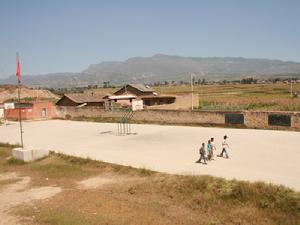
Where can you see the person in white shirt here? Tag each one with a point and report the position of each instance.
(213, 147)
(225, 148)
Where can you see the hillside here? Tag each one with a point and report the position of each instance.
(165, 68)
(9, 92)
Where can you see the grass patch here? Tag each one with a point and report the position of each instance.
(267, 199)
(8, 181)
(56, 167)
(16, 162)
(56, 216)
(96, 119)
(4, 152)
(170, 199)
(7, 145)
(104, 166)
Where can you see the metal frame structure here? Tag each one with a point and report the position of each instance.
(124, 125)
(124, 122)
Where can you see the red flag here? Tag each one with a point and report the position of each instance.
(18, 73)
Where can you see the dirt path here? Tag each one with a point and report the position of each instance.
(15, 190)
(16, 193)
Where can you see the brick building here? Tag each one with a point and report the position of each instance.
(31, 111)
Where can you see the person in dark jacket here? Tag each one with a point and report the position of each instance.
(202, 154)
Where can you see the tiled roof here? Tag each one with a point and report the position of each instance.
(141, 87)
(84, 98)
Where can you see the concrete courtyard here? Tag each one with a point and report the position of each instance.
(255, 155)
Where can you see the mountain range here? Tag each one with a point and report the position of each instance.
(161, 68)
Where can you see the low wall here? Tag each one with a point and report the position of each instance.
(246, 119)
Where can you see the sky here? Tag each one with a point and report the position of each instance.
(69, 35)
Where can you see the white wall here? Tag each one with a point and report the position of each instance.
(1, 113)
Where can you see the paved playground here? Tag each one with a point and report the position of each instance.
(255, 155)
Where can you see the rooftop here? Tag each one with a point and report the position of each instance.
(141, 87)
(84, 98)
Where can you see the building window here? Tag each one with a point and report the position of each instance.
(44, 113)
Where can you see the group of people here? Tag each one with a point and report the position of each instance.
(208, 152)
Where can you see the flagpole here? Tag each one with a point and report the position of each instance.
(192, 90)
(19, 99)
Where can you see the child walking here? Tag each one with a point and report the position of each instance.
(202, 154)
(225, 147)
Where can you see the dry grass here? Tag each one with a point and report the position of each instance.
(9, 181)
(155, 199)
(240, 96)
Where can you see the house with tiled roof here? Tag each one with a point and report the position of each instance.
(78, 99)
(145, 93)
(136, 89)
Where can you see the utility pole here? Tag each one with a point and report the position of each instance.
(192, 89)
(291, 88)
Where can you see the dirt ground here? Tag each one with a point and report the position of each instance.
(63, 190)
(18, 192)
(255, 155)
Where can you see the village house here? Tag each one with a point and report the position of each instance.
(121, 98)
(31, 110)
(136, 89)
(145, 93)
(158, 100)
(81, 99)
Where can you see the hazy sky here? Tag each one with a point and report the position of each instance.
(68, 35)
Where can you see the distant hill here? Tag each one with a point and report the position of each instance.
(165, 68)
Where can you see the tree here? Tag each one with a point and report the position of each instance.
(248, 81)
(106, 84)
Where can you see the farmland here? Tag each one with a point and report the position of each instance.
(231, 97)
(240, 96)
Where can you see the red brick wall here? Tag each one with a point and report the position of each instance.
(34, 113)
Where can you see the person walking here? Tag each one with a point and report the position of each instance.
(213, 147)
(202, 154)
(209, 150)
(225, 148)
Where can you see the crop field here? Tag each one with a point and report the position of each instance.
(240, 96)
